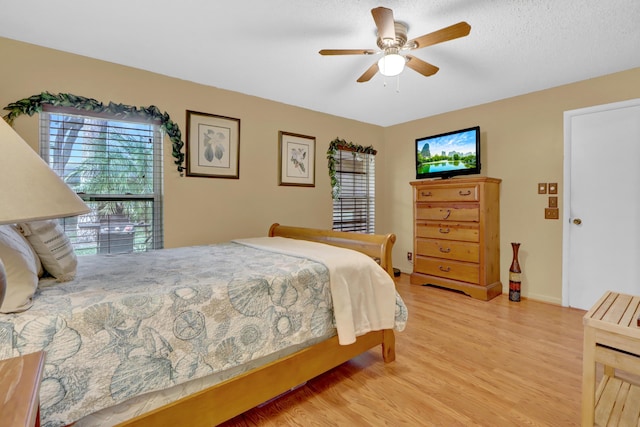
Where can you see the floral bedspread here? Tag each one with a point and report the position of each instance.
(134, 323)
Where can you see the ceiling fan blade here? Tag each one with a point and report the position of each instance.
(383, 18)
(371, 71)
(348, 52)
(454, 31)
(421, 66)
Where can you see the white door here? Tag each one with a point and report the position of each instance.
(601, 232)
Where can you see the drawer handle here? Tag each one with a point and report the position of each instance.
(444, 230)
(427, 194)
(447, 214)
(445, 250)
(445, 269)
(466, 193)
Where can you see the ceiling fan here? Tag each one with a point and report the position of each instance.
(392, 40)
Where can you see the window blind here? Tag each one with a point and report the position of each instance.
(354, 209)
(115, 166)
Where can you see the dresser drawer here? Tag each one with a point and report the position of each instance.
(456, 270)
(448, 249)
(450, 212)
(466, 193)
(448, 231)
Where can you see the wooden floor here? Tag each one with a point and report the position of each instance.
(460, 362)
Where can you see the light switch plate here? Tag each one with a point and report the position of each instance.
(551, 213)
(553, 201)
(542, 188)
(553, 188)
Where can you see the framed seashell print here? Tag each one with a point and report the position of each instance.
(297, 159)
(213, 146)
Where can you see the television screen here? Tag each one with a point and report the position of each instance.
(448, 154)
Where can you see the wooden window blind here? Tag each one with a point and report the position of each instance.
(354, 208)
(115, 166)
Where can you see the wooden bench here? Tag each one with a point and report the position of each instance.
(611, 338)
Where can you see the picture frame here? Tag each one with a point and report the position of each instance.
(297, 159)
(212, 146)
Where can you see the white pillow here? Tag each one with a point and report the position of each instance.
(21, 270)
(53, 248)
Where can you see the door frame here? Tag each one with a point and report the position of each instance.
(566, 199)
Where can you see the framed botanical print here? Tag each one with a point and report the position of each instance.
(213, 146)
(297, 158)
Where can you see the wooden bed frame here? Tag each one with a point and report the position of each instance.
(230, 398)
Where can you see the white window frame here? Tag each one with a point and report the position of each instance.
(152, 230)
(354, 206)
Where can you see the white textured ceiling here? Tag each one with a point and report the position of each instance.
(269, 48)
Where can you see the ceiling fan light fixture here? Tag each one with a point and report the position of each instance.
(391, 38)
(391, 64)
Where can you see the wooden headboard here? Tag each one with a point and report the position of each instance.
(377, 246)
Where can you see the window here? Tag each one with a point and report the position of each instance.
(354, 207)
(115, 166)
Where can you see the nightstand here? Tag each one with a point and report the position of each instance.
(19, 390)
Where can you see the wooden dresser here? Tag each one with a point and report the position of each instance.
(456, 236)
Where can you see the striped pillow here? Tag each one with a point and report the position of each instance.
(53, 247)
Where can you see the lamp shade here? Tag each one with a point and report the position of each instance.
(29, 189)
(391, 64)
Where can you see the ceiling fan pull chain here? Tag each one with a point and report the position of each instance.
(398, 84)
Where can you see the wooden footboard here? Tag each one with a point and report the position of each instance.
(239, 394)
(377, 246)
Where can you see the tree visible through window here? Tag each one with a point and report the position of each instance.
(115, 166)
(354, 207)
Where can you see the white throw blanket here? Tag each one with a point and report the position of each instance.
(363, 294)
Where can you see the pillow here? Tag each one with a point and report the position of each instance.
(21, 270)
(53, 248)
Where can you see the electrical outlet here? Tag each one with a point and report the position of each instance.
(409, 256)
(551, 213)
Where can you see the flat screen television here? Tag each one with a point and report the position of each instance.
(448, 154)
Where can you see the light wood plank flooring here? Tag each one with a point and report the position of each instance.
(460, 362)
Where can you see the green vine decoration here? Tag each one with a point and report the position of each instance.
(34, 104)
(341, 144)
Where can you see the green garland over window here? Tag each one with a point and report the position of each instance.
(341, 144)
(34, 104)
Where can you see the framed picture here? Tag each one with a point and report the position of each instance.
(213, 146)
(297, 158)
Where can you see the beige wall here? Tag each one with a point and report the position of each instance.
(198, 210)
(522, 143)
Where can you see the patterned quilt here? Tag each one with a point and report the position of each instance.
(135, 323)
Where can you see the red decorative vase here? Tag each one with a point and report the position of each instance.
(514, 275)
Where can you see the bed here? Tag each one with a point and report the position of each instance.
(207, 368)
